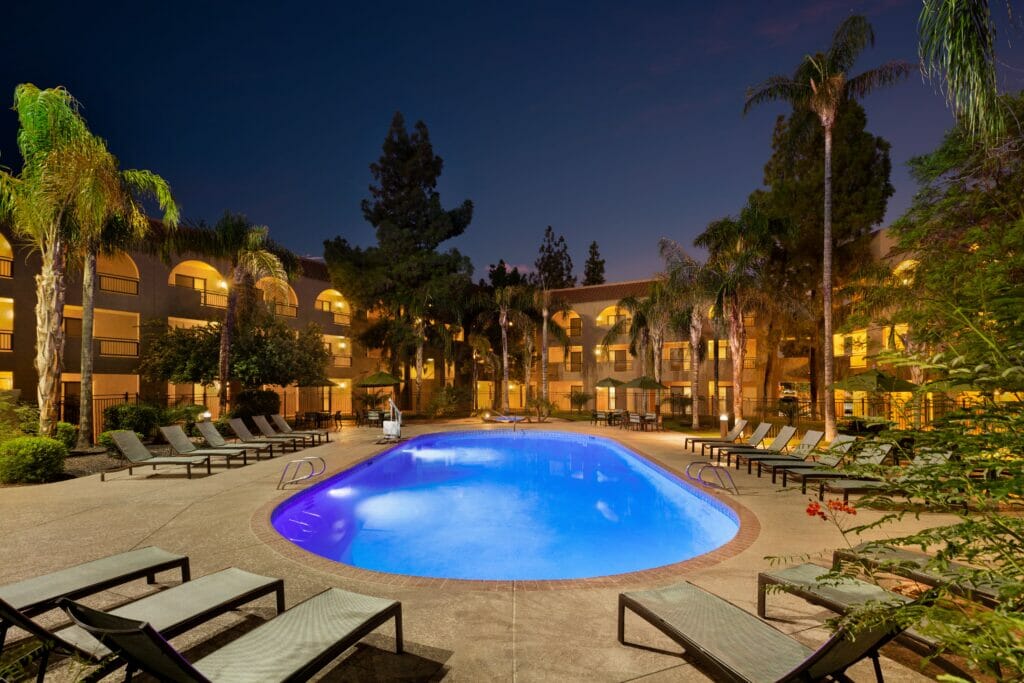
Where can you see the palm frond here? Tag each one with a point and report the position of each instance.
(149, 184)
(850, 39)
(957, 49)
(775, 89)
(879, 77)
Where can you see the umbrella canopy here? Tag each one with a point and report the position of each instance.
(609, 383)
(379, 379)
(874, 381)
(645, 382)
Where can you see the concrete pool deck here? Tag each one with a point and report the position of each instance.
(454, 630)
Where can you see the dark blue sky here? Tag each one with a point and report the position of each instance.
(620, 122)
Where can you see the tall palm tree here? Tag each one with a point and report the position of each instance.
(686, 280)
(508, 301)
(822, 84)
(108, 218)
(958, 47)
(251, 256)
(38, 201)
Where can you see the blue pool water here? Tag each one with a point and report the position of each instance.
(490, 505)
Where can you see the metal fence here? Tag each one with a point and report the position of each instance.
(900, 413)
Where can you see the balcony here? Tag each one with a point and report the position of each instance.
(116, 348)
(117, 284)
(5, 266)
(284, 310)
(341, 361)
(6, 339)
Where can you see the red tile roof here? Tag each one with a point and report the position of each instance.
(611, 291)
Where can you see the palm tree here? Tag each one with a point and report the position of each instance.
(252, 256)
(108, 218)
(38, 201)
(508, 301)
(821, 84)
(957, 47)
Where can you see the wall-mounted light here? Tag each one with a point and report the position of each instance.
(222, 284)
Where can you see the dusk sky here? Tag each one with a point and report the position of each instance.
(618, 122)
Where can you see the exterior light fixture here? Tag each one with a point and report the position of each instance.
(222, 284)
(206, 415)
(723, 424)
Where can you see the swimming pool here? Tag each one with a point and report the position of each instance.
(500, 505)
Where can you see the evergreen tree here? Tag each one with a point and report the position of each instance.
(500, 276)
(593, 269)
(553, 264)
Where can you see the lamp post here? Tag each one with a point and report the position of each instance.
(723, 424)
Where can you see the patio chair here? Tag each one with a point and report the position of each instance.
(731, 644)
(286, 429)
(799, 453)
(847, 486)
(374, 418)
(841, 596)
(811, 457)
(653, 420)
(777, 447)
(292, 646)
(873, 453)
(733, 434)
(39, 594)
(636, 421)
(138, 455)
(756, 437)
(182, 445)
(268, 433)
(172, 611)
(598, 416)
(246, 437)
(215, 439)
(916, 566)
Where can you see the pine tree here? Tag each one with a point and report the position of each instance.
(593, 269)
(553, 264)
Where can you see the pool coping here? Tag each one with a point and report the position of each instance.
(749, 529)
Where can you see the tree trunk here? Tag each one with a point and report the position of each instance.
(88, 317)
(419, 371)
(503, 322)
(812, 377)
(657, 344)
(227, 332)
(826, 271)
(544, 347)
(696, 327)
(738, 345)
(717, 378)
(769, 361)
(49, 361)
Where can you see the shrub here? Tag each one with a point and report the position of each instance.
(255, 402)
(67, 434)
(579, 399)
(31, 460)
(449, 402)
(542, 407)
(106, 440)
(141, 418)
(28, 418)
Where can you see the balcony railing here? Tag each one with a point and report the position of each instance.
(5, 266)
(342, 319)
(117, 348)
(621, 365)
(284, 310)
(208, 297)
(118, 284)
(341, 361)
(574, 367)
(6, 339)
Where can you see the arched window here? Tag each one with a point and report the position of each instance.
(117, 273)
(203, 277)
(280, 296)
(333, 302)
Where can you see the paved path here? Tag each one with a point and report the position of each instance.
(453, 632)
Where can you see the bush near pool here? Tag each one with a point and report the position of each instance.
(31, 460)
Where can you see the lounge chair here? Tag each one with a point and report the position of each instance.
(915, 565)
(848, 486)
(268, 433)
(138, 455)
(246, 437)
(733, 434)
(322, 434)
(40, 593)
(292, 646)
(731, 644)
(777, 447)
(842, 596)
(873, 453)
(182, 445)
(755, 439)
(214, 439)
(172, 611)
(805, 452)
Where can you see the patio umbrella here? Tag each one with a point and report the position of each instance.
(874, 382)
(609, 383)
(645, 383)
(379, 379)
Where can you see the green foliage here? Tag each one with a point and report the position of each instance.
(593, 269)
(553, 264)
(142, 418)
(66, 434)
(372, 400)
(27, 415)
(579, 399)
(31, 460)
(255, 402)
(449, 402)
(180, 355)
(542, 408)
(500, 276)
(267, 351)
